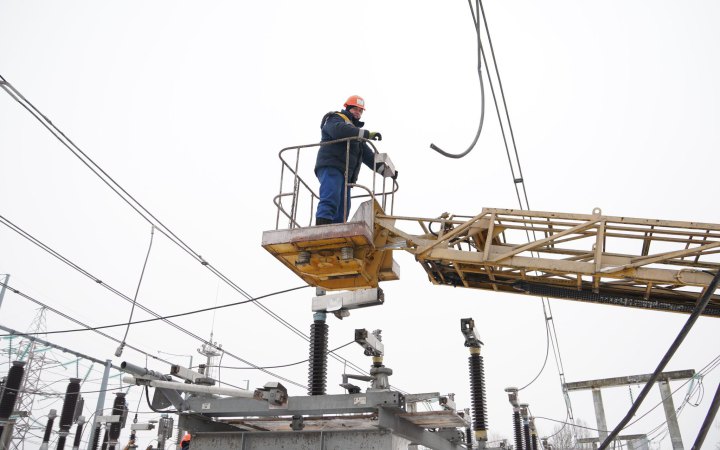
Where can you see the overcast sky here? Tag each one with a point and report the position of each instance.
(614, 105)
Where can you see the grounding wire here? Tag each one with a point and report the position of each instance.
(137, 206)
(476, 22)
(137, 291)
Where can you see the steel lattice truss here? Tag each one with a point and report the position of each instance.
(644, 263)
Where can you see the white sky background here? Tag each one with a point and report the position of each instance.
(614, 104)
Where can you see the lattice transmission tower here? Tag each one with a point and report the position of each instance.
(35, 357)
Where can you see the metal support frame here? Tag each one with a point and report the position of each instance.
(390, 421)
(298, 405)
(663, 382)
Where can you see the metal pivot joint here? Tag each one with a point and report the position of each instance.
(477, 379)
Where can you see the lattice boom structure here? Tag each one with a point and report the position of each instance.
(644, 263)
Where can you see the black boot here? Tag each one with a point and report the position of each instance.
(323, 221)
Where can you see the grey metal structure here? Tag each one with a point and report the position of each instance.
(663, 382)
(379, 418)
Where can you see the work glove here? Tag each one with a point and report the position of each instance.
(375, 136)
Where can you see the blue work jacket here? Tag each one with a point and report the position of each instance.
(334, 126)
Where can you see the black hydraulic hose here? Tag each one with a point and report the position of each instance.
(482, 91)
(702, 303)
(708, 421)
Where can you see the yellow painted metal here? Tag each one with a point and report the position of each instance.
(330, 265)
(646, 263)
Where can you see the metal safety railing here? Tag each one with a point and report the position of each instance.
(296, 200)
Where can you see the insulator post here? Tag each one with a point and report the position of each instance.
(525, 426)
(477, 387)
(68, 410)
(96, 437)
(115, 427)
(78, 433)
(10, 392)
(517, 428)
(317, 371)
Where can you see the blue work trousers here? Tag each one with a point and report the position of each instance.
(332, 183)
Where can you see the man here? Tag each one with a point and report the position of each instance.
(332, 159)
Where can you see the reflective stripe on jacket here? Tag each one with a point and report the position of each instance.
(338, 125)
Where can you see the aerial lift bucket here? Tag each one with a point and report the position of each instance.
(343, 256)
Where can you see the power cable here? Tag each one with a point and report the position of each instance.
(155, 357)
(131, 201)
(122, 324)
(476, 20)
(282, 365)
(72, 319)
(97, 280)
(521, 182)
(702, 303)
(119, 350)
(547, 352)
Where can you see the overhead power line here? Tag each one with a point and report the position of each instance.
(156, 357)
(144, 212)
(122, 324)
(519, 185)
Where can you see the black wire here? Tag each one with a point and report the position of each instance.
(282, 365)
(476, 22)
(171, 316)
(134, 204)
(547, 352)
(137, 206)
(155, 357)
(72, 319)
(147, 397)
(702, 303)
(142, 274)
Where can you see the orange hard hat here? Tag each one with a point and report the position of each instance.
(186, 438)
(355, 100)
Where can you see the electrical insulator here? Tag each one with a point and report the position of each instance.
(118, 409)
(68, 410)
(477, 379)
(10, 392)
(78, 432)
(48, 429)
(317, 372)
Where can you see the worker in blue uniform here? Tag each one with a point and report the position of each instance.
(331, 159)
